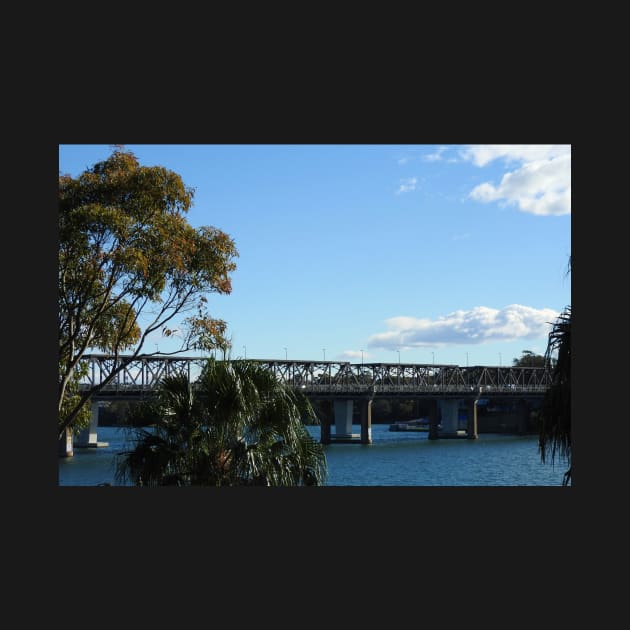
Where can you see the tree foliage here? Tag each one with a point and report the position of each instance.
(554, 440)
(236, 425)
(529, 359)
(72, 399)
(127, 254)
(555, 413)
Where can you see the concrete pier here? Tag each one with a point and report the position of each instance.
(325, 431)
(523, 411)
(473, 431)
(66, 444)
(88, 437)
(343, 418)
(341, 412)
(449, 412)
(366, 421)
(445, 412)
(434, 420)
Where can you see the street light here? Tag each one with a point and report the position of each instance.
(361, 357)
(499, 370)
(286, 356)
(398, 356)
(467, 359)
(433, 357)
(324, 349)
(245, 349)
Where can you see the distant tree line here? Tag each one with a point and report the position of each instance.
(529, 359)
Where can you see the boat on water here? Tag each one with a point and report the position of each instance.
(418, 424)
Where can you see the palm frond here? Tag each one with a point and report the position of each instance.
(555, 415)
(236, 425)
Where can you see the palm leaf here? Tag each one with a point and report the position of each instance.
(555, 415)
(236, 425)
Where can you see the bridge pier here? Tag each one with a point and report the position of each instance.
(88, 438)
(325, 431)
(447, 410)
(342, 413)
(66, 444)
(324, 414)
(523, 416)
(472, 430)
(433, 420)
(343, 418)
(366, 421)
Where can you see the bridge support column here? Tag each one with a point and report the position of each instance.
(433, 420)
(88, 436)
(473, 431)
(325, 431)
(522, 409)
(343, 418)
(65, 444)
(449, 411)
(324, 422)
(366, 421)
(471, 409)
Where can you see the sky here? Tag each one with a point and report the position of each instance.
(425, 254)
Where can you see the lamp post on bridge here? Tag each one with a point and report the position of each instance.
(245, 350)
(324, 350)
(499, 372)
(286, 356)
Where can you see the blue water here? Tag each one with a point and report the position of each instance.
(393, 459)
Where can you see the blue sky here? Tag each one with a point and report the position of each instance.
(420, 253)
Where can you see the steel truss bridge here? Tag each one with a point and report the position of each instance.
(140, 377)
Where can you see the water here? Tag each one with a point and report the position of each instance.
(393, 459)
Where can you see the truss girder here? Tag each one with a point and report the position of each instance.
(139, 374)
(330, 377)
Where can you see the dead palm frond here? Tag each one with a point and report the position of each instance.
(555, 415)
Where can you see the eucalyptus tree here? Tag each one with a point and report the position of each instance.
(236, 425)
(130, 264)
(529, 359)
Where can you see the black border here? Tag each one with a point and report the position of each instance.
(467, 524)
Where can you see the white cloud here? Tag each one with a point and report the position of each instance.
(404, 160)
(353, 354)
(541, 185)
(478, 325)
(407, 185)
(482, 154)
(434, 157)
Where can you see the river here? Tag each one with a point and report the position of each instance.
(393, 459)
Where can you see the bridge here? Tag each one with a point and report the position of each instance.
(140, 377)
(341, 382)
